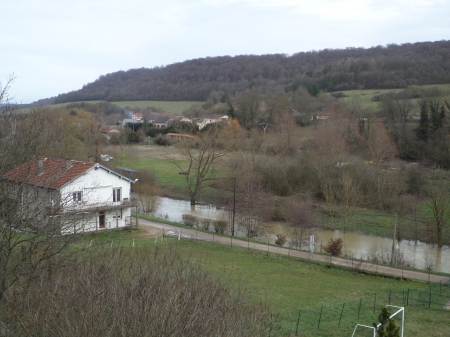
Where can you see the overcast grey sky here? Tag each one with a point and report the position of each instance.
(56, 46)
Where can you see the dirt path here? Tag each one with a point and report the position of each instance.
(153, 229)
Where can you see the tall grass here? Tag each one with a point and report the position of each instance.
(137, 291)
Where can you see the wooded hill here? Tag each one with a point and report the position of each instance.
(392, 66)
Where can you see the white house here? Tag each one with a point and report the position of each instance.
(71, 196)
(211, 120)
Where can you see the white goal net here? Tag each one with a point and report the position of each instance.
(362, 330)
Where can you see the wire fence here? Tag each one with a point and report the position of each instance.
(367, 307)
(332, 316)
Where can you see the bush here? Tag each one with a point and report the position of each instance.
(189, 220)
(205, 224)
(220, 226)
(139, 290)
(334, 246)
(162, 140)
(281, 240)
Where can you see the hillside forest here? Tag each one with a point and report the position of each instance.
(328, 70)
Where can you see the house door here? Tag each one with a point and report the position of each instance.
(101, 219)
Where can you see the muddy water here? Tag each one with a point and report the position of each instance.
(361, 246)
(173, 210)
(355, 244)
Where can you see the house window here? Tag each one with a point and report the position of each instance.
(117, 194)
(118, 214)
(77, 196)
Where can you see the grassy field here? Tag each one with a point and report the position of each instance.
(366, 96)
(160, 160)
(382, 223)
(289, 285)
(175, 108)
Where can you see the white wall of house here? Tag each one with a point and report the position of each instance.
(116, 218)
(96, 187)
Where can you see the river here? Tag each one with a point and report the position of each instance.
(358, 245)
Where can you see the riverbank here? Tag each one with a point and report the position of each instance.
(296, 287)
(357, 245)
(401, 273)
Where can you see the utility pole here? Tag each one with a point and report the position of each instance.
(234, 204)
(393, 242)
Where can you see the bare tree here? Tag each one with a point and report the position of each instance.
(250, 204)
(300, 221)
(147, 196)
(248, 109)
(348, 194)
(428, 262)
(438, 201)
(381, 148)
(30, 234)
(200, 154)
(329, 192)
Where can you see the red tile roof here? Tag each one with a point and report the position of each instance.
(54, 174)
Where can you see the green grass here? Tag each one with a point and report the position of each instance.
(289, 285)
(166, 171)
(382, 223)
(175, 108)
(366, 96)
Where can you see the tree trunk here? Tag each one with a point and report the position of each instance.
(439, 237)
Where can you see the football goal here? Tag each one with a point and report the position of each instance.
(366, 330)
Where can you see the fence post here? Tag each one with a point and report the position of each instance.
(429, 301)
(320, 317)
(440, 287)
(359, 309)
(407, 297)
(298, 322)
(342, 311)
(390, 292)
(374, 303)
(270, 327)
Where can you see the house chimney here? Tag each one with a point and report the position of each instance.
(68, 163)
(90, 159)
(40, 165)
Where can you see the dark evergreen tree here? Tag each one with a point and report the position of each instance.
(435, 112)
(422, 130)
(388, 328)
(314, 90)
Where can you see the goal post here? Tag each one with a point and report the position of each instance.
(364, 326)
(399, 310)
